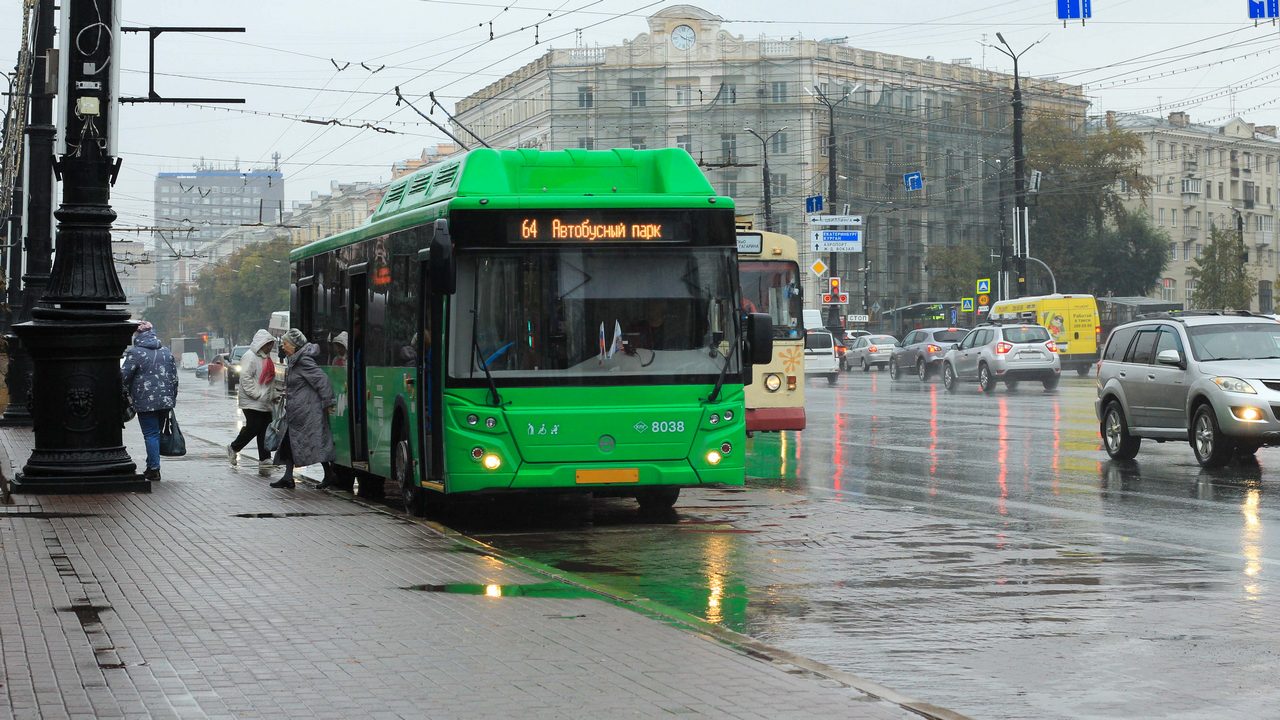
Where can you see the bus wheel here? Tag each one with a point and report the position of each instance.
(657, 499)
(414, 497)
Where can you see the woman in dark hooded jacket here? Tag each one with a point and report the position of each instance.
(308, 400)
(150, 375)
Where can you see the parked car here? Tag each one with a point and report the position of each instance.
(1206, 378)
(232, 372)
(820, 356)
(921, 351)
(1011, 353)
(870, 350)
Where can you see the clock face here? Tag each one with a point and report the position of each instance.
(683, 37)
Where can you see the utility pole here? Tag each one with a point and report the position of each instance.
(1021, 242)
(833, 315)
(75, 338)
(39, 240)
(768, 180)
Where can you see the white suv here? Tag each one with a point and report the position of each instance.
(1211, 379)
(1012, 353)
(820, 356)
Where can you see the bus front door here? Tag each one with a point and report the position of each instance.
(358, 322)
(427, 400)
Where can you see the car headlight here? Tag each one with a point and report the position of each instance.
(773, 382)
(237, 368)
(1235, 385)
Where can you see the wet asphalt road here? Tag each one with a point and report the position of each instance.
(977, 552)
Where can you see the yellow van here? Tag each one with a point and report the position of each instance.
(1072, 320)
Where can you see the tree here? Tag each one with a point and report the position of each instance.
(1222, 280)
(1079, 224)
(954, 269)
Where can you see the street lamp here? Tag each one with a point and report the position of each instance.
(768, 180)
(1021, 237)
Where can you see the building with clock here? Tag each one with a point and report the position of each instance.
(689, 82)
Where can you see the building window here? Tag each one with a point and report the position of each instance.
(1186, 252)
(1159, 151)
(728, 147)
(782, 224)
(1264, 296)
(780, 142)
(1160, 216)
(586, 96)
(730, 188)
(778, 184)
(1173, 251)
(637, 96)
(1199, 250)
(730, 94)
(1220, 192)
(587, 143)
(1173, 218)
(780, 92)
(685, 143)
(1169, 289)
(824, 146)
(684, 95)
(637, 143)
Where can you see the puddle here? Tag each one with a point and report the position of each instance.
(86, 614)
(578, 566)
(535, 590)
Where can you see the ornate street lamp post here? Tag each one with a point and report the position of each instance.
(75, 338)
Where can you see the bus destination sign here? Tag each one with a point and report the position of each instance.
(596, 228)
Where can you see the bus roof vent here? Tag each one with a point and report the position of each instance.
(446, 176)
(393, 195)
(419, 184)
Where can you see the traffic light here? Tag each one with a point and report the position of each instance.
(833, 285)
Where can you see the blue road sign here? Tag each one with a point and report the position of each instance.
(813, 204)
(984, 286)
(1078, 9)
(953, 315)
(1263, 9)
(966, 305)
(837, 240)
(913, 181)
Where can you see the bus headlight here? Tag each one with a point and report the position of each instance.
(773, 382)
(491, 462)
(713, 458)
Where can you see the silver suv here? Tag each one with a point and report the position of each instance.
(1011, 353)
(1207, 378)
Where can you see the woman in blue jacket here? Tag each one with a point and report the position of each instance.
(150, 375)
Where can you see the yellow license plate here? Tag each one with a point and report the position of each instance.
(612, 475)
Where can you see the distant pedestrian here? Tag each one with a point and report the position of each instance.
(308, 402)
(150, 375)
(256, 396)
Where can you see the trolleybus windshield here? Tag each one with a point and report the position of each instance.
(614, 311)
(772, 287)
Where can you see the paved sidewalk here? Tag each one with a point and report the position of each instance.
(216, 596)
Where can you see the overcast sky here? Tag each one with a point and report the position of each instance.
(1135, 55)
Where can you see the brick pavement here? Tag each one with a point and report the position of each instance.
(216, 596)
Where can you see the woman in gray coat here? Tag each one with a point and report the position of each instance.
(308, 401)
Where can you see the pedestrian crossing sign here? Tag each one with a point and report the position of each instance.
(966, 304)
(984, 286)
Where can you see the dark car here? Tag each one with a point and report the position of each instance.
(921, 351)
(232, 372)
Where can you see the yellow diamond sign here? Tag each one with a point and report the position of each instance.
(819, 268)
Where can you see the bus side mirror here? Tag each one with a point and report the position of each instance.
(443, 266)
(759, 338)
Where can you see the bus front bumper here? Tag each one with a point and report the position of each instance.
(611, 476)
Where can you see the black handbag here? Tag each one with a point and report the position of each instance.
(172, 444)
(127, 412)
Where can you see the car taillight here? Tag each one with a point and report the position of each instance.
(1053, 346)
(873, 349)
(933, 348)
(1003, 347)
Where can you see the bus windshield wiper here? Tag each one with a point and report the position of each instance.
(476, 356)
(724, 371)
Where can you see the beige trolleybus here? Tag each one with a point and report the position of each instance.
(769, 273)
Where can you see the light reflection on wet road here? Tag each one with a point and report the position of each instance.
(975, 552)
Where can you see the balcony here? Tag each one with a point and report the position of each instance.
(1190, 232)
(1190, 166)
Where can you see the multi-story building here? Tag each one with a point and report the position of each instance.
(1204, 177)
(429, 155)
(136, 268)
(344, 207)
(194, 208)
(689, 83)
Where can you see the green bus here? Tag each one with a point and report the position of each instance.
(520, 320)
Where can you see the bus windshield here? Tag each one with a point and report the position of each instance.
(772, 287)
(599, 312)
